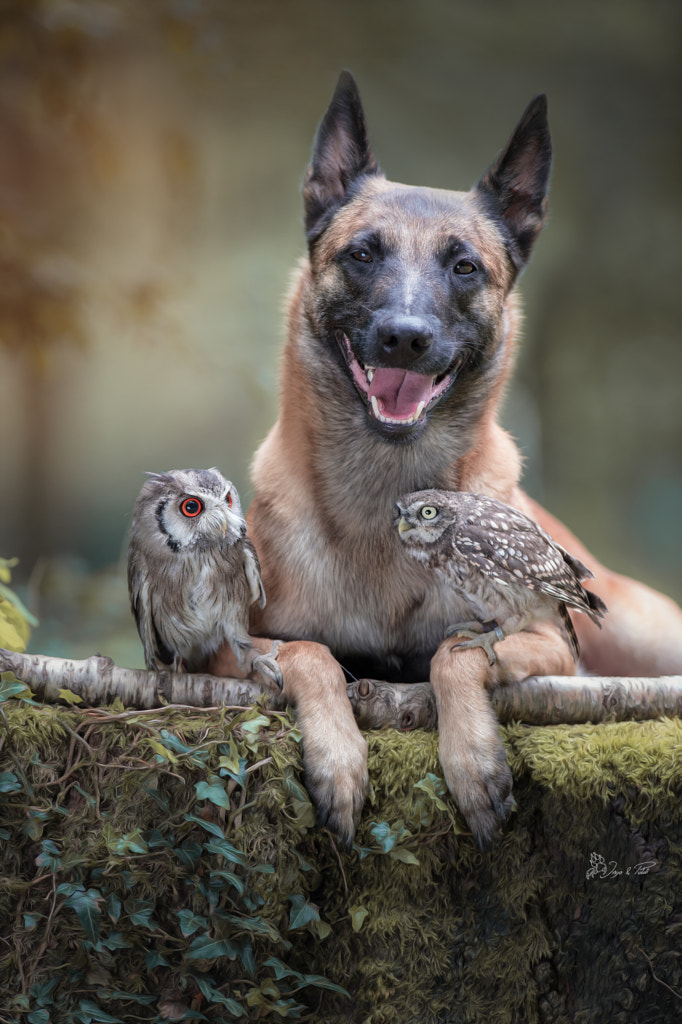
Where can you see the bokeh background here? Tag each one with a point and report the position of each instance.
(151, 156)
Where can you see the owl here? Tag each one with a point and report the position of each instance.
(193, 573)
(509, 571)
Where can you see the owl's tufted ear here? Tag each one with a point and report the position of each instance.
(341, 154)
(160, 478)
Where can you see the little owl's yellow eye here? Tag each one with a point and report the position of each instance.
(429, 512)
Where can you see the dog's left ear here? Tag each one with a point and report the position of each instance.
(517, 182)
(341, 154)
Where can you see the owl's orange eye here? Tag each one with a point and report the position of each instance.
(191, 507)
(228, 499)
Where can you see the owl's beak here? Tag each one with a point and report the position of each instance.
(403, 525)
(223, 525)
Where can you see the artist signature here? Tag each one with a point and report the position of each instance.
(599, 868)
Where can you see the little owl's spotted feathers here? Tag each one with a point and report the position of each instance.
(507, 568)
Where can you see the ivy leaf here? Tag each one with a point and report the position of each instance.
(86, 905)
(131, 842)
(384, 835)
(214, 791)
(49, 857)
(39, 1017)
(225, 848)
(254, 725)
(114, 907)
(190, 923)
(162, 753)
(115, 940)
(70, 697)
(210, 826)
(239, 774)
(319, 982)
(230, 877)
(10, 686)
(205, 948)
(42, 993)
(406, 856)
(155, 959)
(207, 989)
(91, 1011)
(230, 760)
(323, 928)
(304, 812)
(142, 917)
(358, 913)
(435, 789)
(9, 783)
(302, 912)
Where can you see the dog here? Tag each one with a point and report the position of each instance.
(402, 326)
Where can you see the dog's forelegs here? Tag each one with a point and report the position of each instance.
(471, 752)
(334, 749)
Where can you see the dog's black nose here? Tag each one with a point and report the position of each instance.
(404, 338)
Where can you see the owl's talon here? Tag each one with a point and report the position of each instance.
(266, 665)
(485, 640)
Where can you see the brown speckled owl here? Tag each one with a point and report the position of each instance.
(511, 573)
(193, 573)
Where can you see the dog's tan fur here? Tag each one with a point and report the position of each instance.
(326, 485)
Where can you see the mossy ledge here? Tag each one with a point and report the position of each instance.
(165, 865)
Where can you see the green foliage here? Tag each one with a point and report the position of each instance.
(141, 877)
(167, 866)
(15, 619)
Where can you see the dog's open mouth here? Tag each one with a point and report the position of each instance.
(396, 396)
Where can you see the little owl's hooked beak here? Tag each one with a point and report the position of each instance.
(403, 525)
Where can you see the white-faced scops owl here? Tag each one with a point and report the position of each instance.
(510, 572)
(193, 573)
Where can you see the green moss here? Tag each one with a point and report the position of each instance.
(172, 858)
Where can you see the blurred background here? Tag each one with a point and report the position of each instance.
(151, 156)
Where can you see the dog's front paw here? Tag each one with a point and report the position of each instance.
(471, 753)
(336, 779)
(481, 783)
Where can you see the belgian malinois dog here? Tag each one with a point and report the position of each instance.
(402, 326)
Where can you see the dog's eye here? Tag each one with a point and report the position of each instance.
(429, 512)
(362, 255)
(465, 267)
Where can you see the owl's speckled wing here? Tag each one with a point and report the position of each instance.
(156, 654)
(507, 545)
(252, 570)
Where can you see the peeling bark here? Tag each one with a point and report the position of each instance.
(539, 700)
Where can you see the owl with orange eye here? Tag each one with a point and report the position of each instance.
(193, 573)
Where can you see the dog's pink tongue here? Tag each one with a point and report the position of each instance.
(399, 392)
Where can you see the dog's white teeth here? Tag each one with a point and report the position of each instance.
(392, 419)
(370, 373)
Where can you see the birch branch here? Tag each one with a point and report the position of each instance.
(539, 700)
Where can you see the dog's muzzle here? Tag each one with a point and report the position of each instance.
(395, 395)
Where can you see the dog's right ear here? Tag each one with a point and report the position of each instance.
(341, 154)
(516, 185)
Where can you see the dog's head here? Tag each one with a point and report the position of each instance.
(410, 283)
